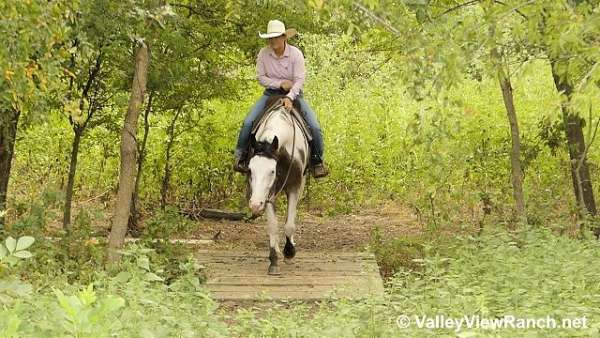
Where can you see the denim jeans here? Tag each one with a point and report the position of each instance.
(307, 112)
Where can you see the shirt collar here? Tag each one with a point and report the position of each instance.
(286, 52)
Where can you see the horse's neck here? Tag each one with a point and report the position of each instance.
(277, 125)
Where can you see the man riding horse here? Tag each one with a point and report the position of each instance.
(280, 69)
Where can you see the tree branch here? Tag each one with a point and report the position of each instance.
(452, 9)
(373, 16)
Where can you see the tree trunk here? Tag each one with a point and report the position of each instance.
(78, 129)
(167, 176)
(580, 173)
(503, 76)
(71, 180)
(142, 155)
(128, 155)
(8, 133)
(515, 153)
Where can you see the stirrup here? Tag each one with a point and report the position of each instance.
(240, 165)
(319, 170)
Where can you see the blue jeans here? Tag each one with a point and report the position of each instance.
(307, 112)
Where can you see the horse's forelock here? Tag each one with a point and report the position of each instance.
(264, 148)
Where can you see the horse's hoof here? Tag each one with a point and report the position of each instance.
(274, 270)
(289, 251)
(288, 261)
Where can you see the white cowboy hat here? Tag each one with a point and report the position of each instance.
(276, 28)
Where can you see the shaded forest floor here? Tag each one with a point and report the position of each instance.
(343, 232)
(314, 231)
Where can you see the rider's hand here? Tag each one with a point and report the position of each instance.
(287, 103)
(286, 85)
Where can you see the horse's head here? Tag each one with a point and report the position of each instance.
(263, 168)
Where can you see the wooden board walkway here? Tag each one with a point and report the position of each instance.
(242, 276)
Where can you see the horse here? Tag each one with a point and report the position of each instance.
(278, 163)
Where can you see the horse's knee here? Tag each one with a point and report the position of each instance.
(247, 124)
(289, 229)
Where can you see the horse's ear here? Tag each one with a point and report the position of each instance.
(275, 144)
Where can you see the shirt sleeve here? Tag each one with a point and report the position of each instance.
(299, 75)
(261, 72)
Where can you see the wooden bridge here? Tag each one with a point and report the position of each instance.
(242, 276)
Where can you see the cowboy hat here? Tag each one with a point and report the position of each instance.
(276, 28)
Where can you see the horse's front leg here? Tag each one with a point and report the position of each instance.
(273, 238)
(289, 251)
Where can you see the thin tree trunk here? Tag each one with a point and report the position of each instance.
(78, 130)
(511, 113)
(515, 153)
(128, 155)
(71, 180)
(167, 176)
(580, 173)
(8, 133)
(142, 156)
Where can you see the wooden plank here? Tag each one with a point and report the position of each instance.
(294, 280)
(263, 272)
(299, 294)
(301, 254)
(227, 260)
(288, 295)
(253, 268)
(235, 275)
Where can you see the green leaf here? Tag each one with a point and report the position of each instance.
(122, 277)
(11, 244)
(152, 277)
(87, 296)
(23, 254)
(3, 251)
(11, 260)
(24, 242)
(144, 263)
(112, 304)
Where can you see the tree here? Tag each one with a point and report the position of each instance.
(568, 32)
(94, 56)
(32, 35)
(443, 43)
(128, 153)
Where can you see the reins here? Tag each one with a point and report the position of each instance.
(271, 197)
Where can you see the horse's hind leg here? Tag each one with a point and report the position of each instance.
(273, 238)
(289, 251)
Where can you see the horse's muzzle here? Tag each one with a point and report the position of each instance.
(257, 208)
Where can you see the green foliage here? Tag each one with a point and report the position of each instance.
(408, 100)
(13, 250)
(29, 60)
(529, 273)
(168, 224)
(84, 315)
(532, 273)
(405, 252)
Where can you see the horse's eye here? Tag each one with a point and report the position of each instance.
(272, 172)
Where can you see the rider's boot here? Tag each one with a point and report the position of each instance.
(240, 164)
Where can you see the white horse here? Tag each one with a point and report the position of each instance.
(279, 162)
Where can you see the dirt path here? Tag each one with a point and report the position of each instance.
(344, 233)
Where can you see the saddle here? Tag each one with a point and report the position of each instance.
(274, 102)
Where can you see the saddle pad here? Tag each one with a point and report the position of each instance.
(296, 115)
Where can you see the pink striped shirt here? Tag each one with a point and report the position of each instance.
(271, 70)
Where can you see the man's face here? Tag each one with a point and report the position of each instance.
(277, 43)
